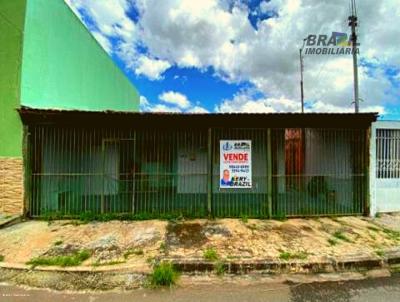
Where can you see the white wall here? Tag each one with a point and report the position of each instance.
(384, 192)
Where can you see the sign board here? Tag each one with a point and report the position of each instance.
(235, 164)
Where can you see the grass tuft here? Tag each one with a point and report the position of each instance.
(332, 241)
(114, 262)
(391, 234)
(220, 268)
(288, 256)
(244, 218)
(163, 274)
(280, 216)
(1, 258)
(137, 252)
(58, 242)
(210, 254)
(372, 228)
(74, 259)
(163, 247)
(339, 235)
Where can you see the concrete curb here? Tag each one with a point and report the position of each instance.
(286, 267)
(10, 221)
(131, 277)
(77, 269)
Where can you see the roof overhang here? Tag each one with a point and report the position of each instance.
(92, 119)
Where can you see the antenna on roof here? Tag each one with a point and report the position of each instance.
(353, 23)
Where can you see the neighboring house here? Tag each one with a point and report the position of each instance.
(385, 167)
(48, 60)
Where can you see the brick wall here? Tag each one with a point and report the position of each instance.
(11, 185)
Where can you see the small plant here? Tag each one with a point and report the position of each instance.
(115, 262)
(220, 268)
(137, 252)
(1, 258)
(380, 253)
(280, 216)
(210, 254)
(393, 235)
(372, 228)
(163, 274)
(244, 218)
(70, 260)
(378, 215)
(51, 216)
(163, 247)
(58, 242)
(339, 235)
(332, 241)
(287, 256)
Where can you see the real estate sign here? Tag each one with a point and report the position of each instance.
(235, 164)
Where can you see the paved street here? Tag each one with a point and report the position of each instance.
(384, 289)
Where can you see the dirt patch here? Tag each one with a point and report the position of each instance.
(141, 243)
(107, 242)
(187, 235)
(391, 221)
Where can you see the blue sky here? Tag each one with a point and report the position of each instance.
(242, 55)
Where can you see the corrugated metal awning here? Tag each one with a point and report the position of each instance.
(32, 116)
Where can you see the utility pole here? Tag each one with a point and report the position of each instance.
(353, 22)
(301, 75)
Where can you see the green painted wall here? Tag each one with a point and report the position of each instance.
(11, 27)
(65, 68)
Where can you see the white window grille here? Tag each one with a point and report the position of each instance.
(388, 153)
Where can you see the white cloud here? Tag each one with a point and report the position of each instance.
(175, 98)
(151, 68)
(103, 41)
(109, 16)
(245, 102)
(164, 108)
(198, 109)
(171, 101)
(212, 33)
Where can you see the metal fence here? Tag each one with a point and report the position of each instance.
(388, 153)
(296, 172)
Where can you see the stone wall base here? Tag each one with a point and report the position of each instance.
(11, 185)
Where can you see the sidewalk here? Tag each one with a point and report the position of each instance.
(231, 245)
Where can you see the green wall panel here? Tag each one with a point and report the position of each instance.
(65, 68)
(11, 27)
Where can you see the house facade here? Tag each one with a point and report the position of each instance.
(48, 60)
(197, 165)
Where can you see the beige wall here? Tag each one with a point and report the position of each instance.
(11, 185)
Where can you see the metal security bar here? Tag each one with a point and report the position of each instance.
(319, 171)
(388, 153)
(118, 171)
(295, 172)
(252, 202)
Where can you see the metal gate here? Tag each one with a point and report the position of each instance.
(295, 172)
(385, 167)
